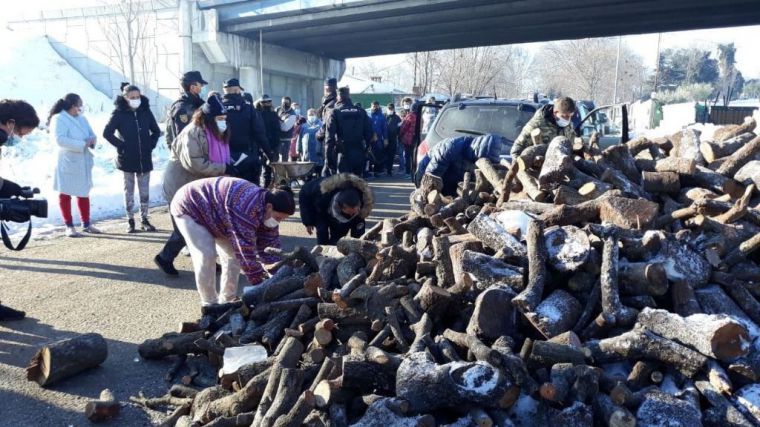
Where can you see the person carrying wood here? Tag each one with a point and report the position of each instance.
(452, 157)
(236, 220)
(334, 206)
(552, 119)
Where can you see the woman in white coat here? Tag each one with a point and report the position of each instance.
(73, 172)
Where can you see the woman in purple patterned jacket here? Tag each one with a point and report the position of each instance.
(234, 219)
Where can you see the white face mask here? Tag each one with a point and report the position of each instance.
(271, 223)
(562, 122)
(312, 119)
(134, 103)
(222, 125)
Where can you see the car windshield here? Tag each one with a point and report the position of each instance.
(504, 120)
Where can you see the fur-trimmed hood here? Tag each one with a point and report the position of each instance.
(121, 104)
(344, 180)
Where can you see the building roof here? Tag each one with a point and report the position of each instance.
(360, 85)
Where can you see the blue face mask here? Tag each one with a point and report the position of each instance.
(297, 111)
(312, 119)
(204, 92)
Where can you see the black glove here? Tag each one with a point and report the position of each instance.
(10, 189)
(231, 170)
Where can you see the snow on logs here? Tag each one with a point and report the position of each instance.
(577, 286)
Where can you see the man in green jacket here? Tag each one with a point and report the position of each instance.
(553, 120)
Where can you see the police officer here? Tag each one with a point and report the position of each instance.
(247, 133)
(288, 117)
(272, 127)
(348, 133)
(181, 111)
(328, 103)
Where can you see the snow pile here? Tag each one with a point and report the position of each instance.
(31, 70)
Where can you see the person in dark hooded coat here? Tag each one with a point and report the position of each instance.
(335, 206)
(452, 157)
(133, 130)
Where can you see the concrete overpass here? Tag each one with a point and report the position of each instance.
(342, 29)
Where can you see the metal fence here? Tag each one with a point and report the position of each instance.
(729, 115)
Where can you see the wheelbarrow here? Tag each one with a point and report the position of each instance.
(291, 172)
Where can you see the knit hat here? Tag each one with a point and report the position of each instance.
(213, 107)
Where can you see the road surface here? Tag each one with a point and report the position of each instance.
(108, 284)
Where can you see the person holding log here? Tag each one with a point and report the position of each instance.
(452, 157)
(552, 119)
(334, 206)
(234, 219)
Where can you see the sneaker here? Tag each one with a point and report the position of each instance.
(91, 229)
(72, 232)
(165, 266)
(131, 226)
(7, 313)
(147, 226)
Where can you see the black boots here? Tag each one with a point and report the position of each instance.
(131, 226)
(147, 226)
(165, 266)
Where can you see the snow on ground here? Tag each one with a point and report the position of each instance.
(31, 70)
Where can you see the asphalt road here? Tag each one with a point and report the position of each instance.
(108, 284)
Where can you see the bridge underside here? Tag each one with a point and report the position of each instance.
(374, 27)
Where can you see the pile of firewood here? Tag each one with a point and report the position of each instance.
(577, 287)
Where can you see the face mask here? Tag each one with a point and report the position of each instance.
(271, 223)
(312, 119)
(407, 106)
(222, 125)
(134, 103)
(297, 111)
(204, 92)
(562, 122)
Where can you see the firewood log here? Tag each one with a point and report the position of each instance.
(645, 344)
(528, 299)
(739, 158)
(428, 386)
(660, 182)
(287, 359)
(483, 323)
(287, 394)
(731, 131)
(556, 314)
(562, 378)
(618, 157)
(103, 409)
(722, 411)
(493, 235)
(474, 345)
(705, 178)
(244, 400)
(65, 358)
(668, 164)
(547, 353)
(568, 247)
(558, 163)
(488, 271)
(444, 271)
(614, 311)
(348, 245)
(661, 408)
(611, 414)
(740, 253)
(717, 337)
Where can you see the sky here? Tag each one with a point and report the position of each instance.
(748, 61)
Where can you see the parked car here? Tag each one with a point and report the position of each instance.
(507, 117)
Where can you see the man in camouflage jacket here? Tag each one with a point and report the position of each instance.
(553, 120)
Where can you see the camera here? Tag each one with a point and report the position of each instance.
(21, 209)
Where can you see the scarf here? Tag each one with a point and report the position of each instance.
(218, 150)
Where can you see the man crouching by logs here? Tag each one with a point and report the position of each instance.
(236, 220)
(549, 122)
(334, 206)
(452, 157)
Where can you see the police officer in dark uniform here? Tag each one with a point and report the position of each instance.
(349, 132)
(181, 111)
(328, 103)
(272, 129)
(248, 136)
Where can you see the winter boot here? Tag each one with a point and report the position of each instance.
(165, 266)
(7, 313)
(147, 226)
(131, 226)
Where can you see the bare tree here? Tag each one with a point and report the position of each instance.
(585, 69)
(126, 27)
